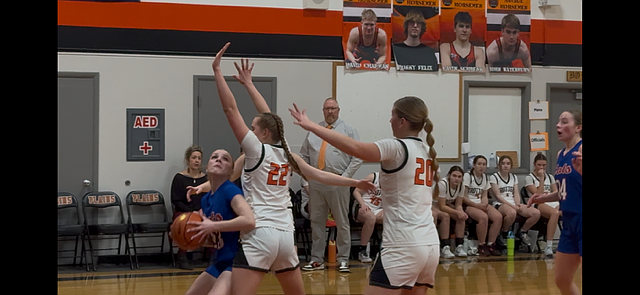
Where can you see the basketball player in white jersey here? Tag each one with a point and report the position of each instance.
(410, 246)
(450, 201)
(268, 164)
(369, 213)
(548, 210)
(504, 186)
(476, 185)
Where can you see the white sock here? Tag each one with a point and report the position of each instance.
(549, 243)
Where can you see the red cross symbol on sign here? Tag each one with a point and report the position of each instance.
(145, 148)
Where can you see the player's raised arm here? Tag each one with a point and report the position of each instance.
(227, 99)
(245, 78)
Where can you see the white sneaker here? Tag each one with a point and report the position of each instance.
(473, 251)
(548, 251)
(446, 252)
(524, 238)
(344, 267)
(460, 251)
(364, 257)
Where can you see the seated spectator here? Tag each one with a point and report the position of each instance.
(548, 210)
(504, 185)
(369, 214)
(449, 202)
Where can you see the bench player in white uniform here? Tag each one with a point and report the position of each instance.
(476, 185)
(369, 213)
(450, 202)
(548, 210)
(444, 227)
(504, 185)
(268, 165)
(410, 246)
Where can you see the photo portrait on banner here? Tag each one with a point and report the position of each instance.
(509, 36)
(366, 34)
(462, 34)
(416, 31)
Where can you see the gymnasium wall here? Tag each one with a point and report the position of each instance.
(148, 53)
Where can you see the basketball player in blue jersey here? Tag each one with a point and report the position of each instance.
(225, 212)
(268, 165)
(568, 176)
(410, 248)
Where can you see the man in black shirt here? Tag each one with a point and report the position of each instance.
(411, 54)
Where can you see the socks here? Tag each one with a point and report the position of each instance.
(363, 248)
(549, 243)
(459, 241)
(505, 234)
(445, 242)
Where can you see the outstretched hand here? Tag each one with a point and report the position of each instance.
(244, 72)
(192, 191)
(367, 186)
(216, 60)
(577, 162)
(301, 118)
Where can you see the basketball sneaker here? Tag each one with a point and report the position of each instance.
(524, 238)
(344, 267)
(313, 266)
(460, 251)
(364, 257)
(446, 252)
(548, 251)
(473, 251)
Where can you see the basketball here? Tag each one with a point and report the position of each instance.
(179, 233)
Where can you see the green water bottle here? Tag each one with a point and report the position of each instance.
(511, 243)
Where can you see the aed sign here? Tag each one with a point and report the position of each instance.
(145, 135)
(145, 122)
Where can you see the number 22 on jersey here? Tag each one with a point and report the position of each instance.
(420, 171)
(272, 178)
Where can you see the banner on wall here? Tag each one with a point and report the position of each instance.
(366, 34)
(509, 36)
(462, 34)
(416, 31)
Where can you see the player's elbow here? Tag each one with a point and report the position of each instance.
(230, 110)
(249, 224)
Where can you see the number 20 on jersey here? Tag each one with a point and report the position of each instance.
(422, 178)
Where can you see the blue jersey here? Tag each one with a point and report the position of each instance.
(569, 182)
(217, 207)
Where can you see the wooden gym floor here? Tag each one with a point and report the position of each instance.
(525, 274)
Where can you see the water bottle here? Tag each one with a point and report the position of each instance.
(492, 161)
(332, 251)
(511, 243)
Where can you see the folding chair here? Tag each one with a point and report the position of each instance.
(68, 206)
(105, 202)
(302, 225)
(143, 202)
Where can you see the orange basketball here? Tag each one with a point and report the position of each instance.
(179, 233)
